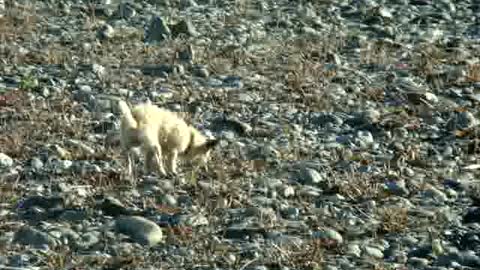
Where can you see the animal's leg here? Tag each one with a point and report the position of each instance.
(130, 167)
(159, 160)
(153, 160)
(149, 161)
(172, 161)
(127, 155)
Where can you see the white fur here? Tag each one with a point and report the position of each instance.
(160, 133)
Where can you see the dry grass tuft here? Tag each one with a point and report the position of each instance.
(9, 193)
(393, 220)
(57, 259)
(377, 52)
(309, 256)
(428, 58)
(359, 186)
(473, 73)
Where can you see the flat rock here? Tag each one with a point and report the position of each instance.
(32, 237)
(140, 229)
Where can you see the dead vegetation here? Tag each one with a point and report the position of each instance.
(308, 256)
(303, 68)
(26, 128)
(359, 187)
(394, 220)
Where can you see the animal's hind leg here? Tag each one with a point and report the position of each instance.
(172, 161)
(127, 155)
(130, 167)
(154, 160)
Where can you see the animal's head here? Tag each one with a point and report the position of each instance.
(200, 148)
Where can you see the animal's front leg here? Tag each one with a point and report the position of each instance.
(129, 165)
(159, 160)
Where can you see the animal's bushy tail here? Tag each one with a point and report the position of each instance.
(127, 116)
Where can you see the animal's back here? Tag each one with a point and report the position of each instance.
(172, 130)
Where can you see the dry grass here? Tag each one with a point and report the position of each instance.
(358, 186)
(378, 52)
(393, 220)
(9, 194)
(428, 58)
(26, 128)
(473, 73)
(309, 256)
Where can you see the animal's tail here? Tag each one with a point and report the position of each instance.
(138, 119)
(127, 114)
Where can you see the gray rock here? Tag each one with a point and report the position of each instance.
(462, 120)
(113, 207)
(310, 32)
(466, 120)
(436, 194)
(33, 237)
(323, 118)
(309, 176)
(366, 117)
(420, 251)
(157, 31)
(2, 8)
(291, 213)
(329, 235)
(194, 220)
(74, 215)
(20, 261)
(88, 240)
(169, 200)
(106, 32)
(373, 252)
(184, 27)
(84, 94)
(81, 146)
(5, 161)
(244, 230)
(99, 70)
(364, 139)
(467, 258)
(418, 262)
(140, 229)
(232, 124)
(354, 250)
(288, 191)
(187, 3)
(397, 187)
(200, 71)
(309, 191)
(61, 166)
(162, 70)
(45, 202)
(126, 10)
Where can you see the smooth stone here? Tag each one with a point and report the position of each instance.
(140, 229)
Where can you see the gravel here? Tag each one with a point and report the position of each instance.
(349, 134)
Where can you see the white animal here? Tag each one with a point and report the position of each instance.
(161, 134)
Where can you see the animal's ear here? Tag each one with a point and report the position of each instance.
(210, 144)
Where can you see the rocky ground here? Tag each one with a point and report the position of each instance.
(348, 128)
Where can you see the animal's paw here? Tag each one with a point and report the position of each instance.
(163, 173)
